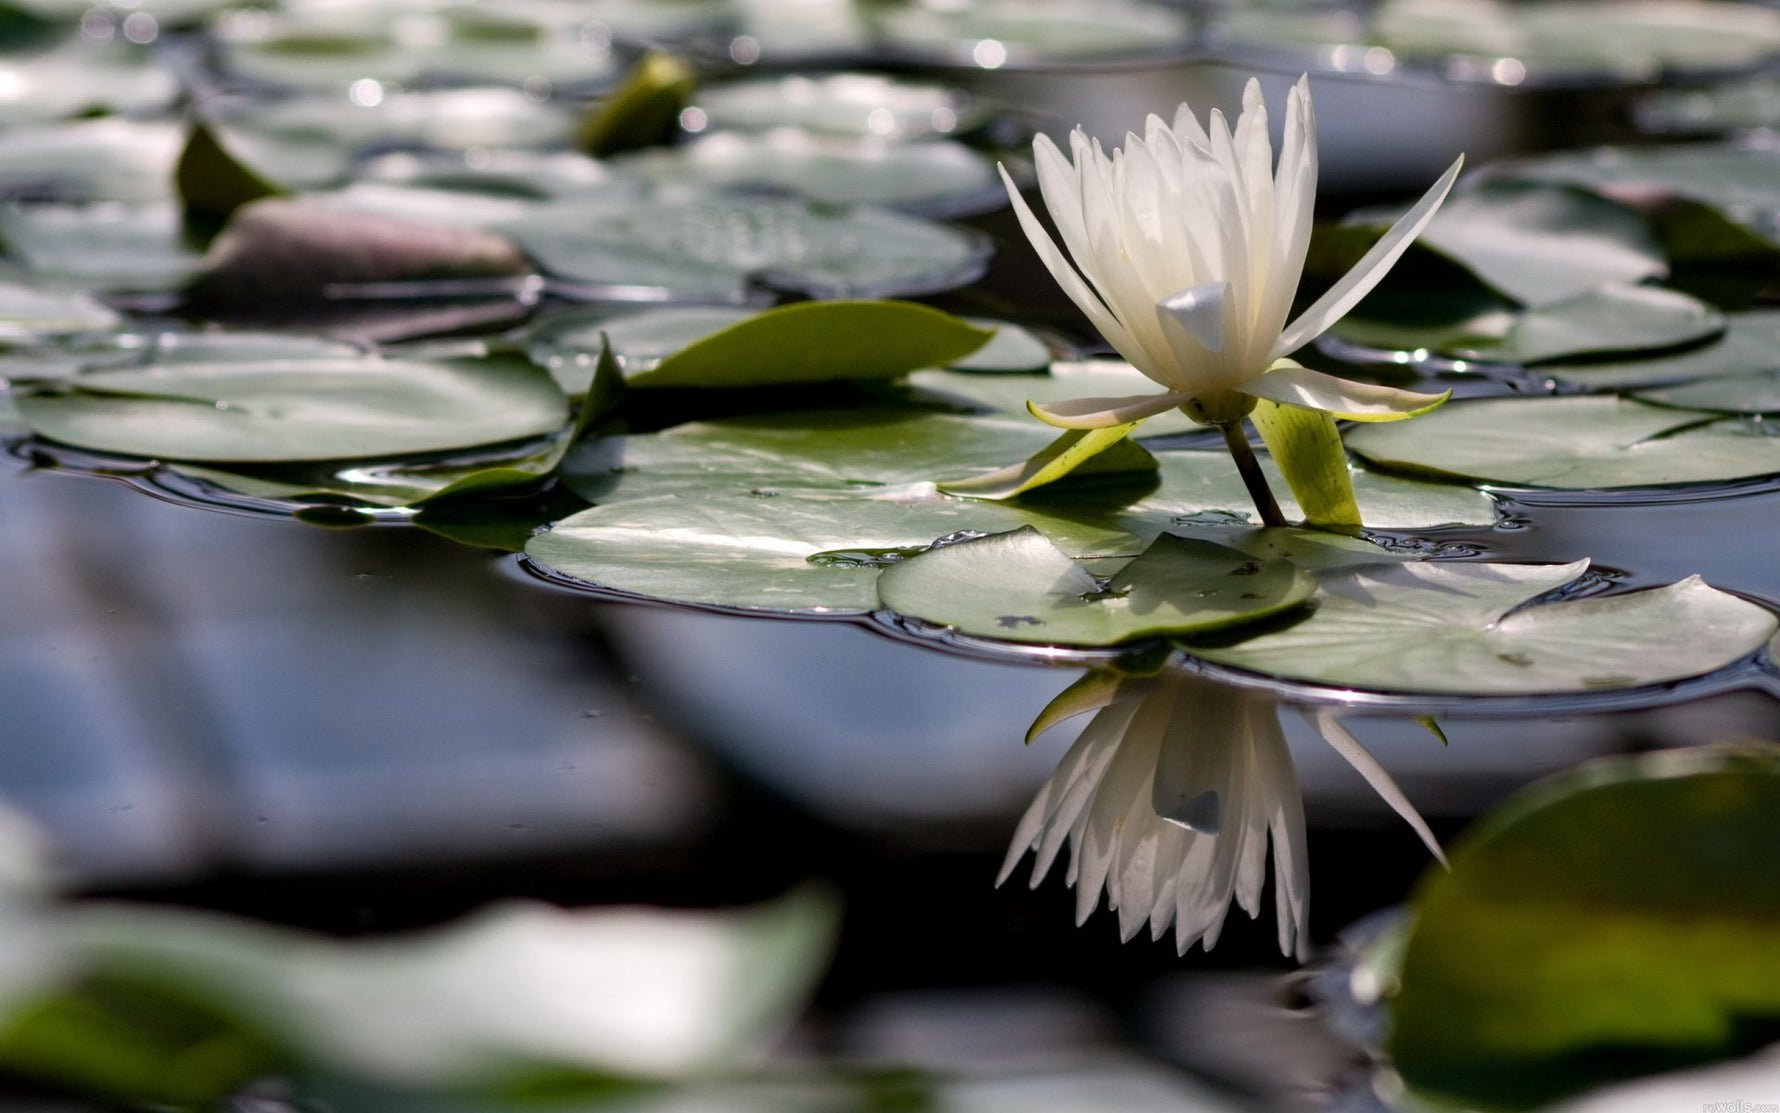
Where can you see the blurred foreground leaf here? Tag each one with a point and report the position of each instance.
(1615, 921)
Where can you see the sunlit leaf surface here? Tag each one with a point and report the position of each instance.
(309, 409)
(1021, 587)
(1580, 443)
(1449, 627)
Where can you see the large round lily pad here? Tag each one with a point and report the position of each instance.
(1020, 587)
(1454, 628)
(800, 552)
(1575, 443)
(310, 409)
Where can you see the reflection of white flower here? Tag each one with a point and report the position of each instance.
(1186, 251)
(1168, 799)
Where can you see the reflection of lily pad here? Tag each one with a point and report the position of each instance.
(308, 409)
(1577, 443)
(1627, 905)
(802, 552)
(713, 249)
(1020, 587)
(1455, 628)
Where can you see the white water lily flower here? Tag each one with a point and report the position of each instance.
(1187, 248)
(1168, 800)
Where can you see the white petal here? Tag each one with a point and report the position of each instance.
(1358, 282)
(1300, 386)
(1101, 413)
(1071, 282)
(1342, 741)
(1197, 313)
(1294, 208)
(1188, 128)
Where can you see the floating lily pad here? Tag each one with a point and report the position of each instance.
(1743, 182)
(713, 250)
(104, 246)
(1573, 39)
(1066, 380)
(798, 552)
(1021, 587)
(566, 342)
(1757, 393)
(836, 449)
(1194, 484)
(857, 104)
(1027, 34)
(81, 76)
(1010, 351)
(1750, 346)
(28, 312)
(1571, 443)
(1454, 628)
(108, 159)
(1628, 905)
(818, 341)
(1539, 244)
(299, 410)
(930, 175)
(435, 119)
(1609, 319)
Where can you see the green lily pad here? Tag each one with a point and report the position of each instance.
(929, 175)
(1572, 443)
(28, 312)
(834, 449)
(1541, 244)
(818, 341)
(1739, 181)
(1757, 393)
(1194, 484)
(1009, 393)
(1011, 350)
(80, 76)
(108, 159)
(103, 246)
(1609, 319)
(712, 249)
(568, 341)
(1750, 346)
(1614, 921)
(856, 104)
(1454, 628)
(310, 409)
(796, 552)
(1024, 34)
(1021, 587)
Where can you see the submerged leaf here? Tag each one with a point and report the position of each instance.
(1077, 452)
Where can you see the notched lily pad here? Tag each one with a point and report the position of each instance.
(1461, 629)
(1020, 587)
(1570, 443)
(1609, 319)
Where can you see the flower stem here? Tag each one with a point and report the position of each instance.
(1236, 440)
